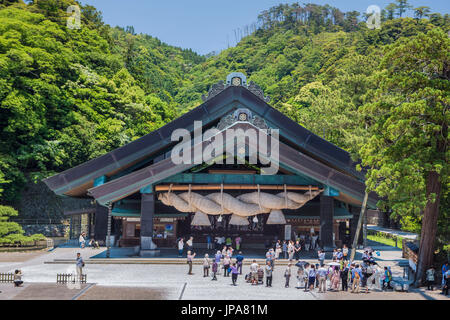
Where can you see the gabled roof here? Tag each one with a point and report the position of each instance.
(75, 181)
(296, 161)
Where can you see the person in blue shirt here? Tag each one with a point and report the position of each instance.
(387, 278)
(239, 261)
(445, 268)
(284, 248)
(339, 255)
(208, 242)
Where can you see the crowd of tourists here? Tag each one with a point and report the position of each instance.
(339, 274)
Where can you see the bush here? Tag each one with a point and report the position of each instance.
(11, 233)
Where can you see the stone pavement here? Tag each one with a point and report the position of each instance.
(148, 281)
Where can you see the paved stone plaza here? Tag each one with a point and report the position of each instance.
(163, 281)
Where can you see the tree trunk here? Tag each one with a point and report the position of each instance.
(429, 226)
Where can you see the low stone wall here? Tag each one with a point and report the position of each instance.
(48, 230)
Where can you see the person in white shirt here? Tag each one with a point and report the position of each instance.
(314, 238)
(180, 247)
(82, 241)
(254, 272)
(322, 275)
(190, 243)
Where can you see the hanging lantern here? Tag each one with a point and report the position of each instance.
(200, 219)
(276, 217)
(255, 219)
(238, 220)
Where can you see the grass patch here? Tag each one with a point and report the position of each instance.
(384, 239)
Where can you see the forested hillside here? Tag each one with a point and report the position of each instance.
(67, 96)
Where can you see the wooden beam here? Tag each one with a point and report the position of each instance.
(177, 187)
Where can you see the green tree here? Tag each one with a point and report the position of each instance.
(421, 12)
(12, 232)
(402, 6)
(408, 147)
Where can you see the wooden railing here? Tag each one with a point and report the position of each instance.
(69, 277)
(6, 277)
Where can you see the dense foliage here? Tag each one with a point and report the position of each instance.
(67, 96)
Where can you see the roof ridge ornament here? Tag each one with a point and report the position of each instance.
(243, 115)
(235, 79)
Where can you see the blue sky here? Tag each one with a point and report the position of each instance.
(207, 25)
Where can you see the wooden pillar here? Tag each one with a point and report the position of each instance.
(101, 216)
(148, 248)
(108, 231)
(326, 221)
(101, 223)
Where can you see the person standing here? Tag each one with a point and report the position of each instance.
(79, 265)
(234, 274)
(284, 249)
(269, 271)
(335, 279)
(206, 265)
(215, 267)
(387, 278)
(224, 251)
(344, 276)
(444, 269)
(226, 265)
(190, 244)
(287, 275)
(335, 255)
(254, 272)
(321, 255)
(180, 247)
(297, 248)
(322, 275)
(238, 241)
(307, 242)
(356, 275)
(345, 252)
(230, 251)
(239, 261)
(228, 241)
(190, 257)
(446, 283)
(430, 278)
(82, 241)
(339, 255)
(209, 244)
(218, 257)
(311, 277)
(314, 238)
(278, 250)
(291, 250)
(300, 272)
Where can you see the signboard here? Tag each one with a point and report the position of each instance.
(287, 231)
(133, 219)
